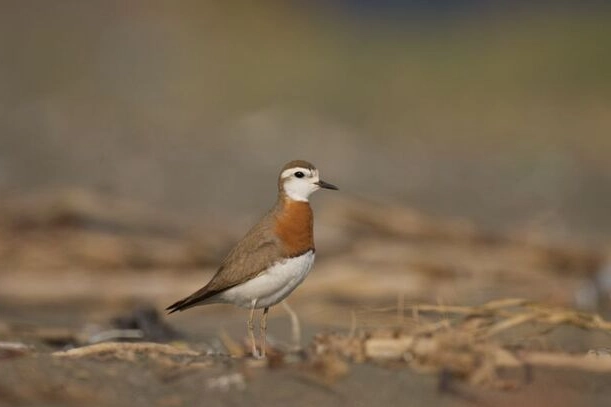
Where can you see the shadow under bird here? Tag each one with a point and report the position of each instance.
(273, 258)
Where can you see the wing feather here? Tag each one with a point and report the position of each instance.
(257, 251)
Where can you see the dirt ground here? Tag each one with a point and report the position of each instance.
(401, 309)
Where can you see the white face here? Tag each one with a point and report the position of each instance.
(299, 183)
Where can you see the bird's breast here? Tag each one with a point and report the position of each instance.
(294, 228)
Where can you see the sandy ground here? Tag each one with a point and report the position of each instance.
(149, 378)
(417, 312)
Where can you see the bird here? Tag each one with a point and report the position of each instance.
(274, 256)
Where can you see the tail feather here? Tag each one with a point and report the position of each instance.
(191, 301)
(177, 306)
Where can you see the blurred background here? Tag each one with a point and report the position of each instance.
(495, 111)
(470, 139)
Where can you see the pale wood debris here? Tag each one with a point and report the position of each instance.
(125, 350)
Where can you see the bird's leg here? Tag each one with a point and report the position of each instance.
(295, 326)
(263, 328)
(251, 330)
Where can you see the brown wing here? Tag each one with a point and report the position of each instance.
(254, 253)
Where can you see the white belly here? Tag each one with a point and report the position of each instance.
(271, 286)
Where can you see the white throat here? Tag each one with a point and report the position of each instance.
(297, 191)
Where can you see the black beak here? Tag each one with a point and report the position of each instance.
(326, 185)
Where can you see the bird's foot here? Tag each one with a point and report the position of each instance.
(256, 354)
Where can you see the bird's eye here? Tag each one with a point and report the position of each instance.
(299, 174)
